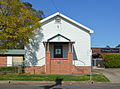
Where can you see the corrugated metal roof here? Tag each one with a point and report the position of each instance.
(15, 52)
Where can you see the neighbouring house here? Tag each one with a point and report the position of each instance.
(98, 54)
(60, 46)
(13, 57)
(103, 51)
(64, 49)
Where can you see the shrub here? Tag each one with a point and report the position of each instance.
(112, 60)
(11, 69)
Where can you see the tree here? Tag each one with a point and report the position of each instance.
(18, 20)
(107, 46)
(118, 46)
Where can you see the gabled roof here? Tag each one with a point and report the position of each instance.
(59, 38)
(67, 18)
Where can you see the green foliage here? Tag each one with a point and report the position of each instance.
(7, 70)
(112, 60)
(11, 70)
(118, 46)
(18, 20)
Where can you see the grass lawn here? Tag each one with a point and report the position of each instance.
(24, 77)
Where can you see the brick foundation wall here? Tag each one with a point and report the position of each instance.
(81, 69)
(3, 60)
(74, 70)
(34, 70)
(58, 66)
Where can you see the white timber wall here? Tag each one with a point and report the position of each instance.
(81, 38)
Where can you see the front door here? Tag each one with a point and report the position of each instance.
(58, 51)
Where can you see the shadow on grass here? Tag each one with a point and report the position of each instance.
(58, 81)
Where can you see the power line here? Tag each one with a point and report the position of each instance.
(54, 5)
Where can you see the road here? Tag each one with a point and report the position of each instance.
(80, 86)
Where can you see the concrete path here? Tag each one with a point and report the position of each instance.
(113, 74)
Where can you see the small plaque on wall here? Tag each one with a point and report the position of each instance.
(58, 62)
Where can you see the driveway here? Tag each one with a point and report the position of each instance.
(113, 74)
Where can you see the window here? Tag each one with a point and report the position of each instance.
(57, 51)
(17, 60)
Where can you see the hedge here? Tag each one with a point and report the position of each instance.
(11, 69)
(112, 60)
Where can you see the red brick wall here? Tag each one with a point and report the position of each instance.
(59, 65)
(98, 50)
(70, 57)
(62, 69)
(81, 69)
(3, 60)
(34, 69)
(47, 62)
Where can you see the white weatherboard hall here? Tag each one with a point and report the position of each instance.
(62, 47)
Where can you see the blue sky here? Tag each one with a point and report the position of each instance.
(102, 16)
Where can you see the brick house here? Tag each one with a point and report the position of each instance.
(63, 46)
(98, 54)
(104, 51)
(12, 57)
